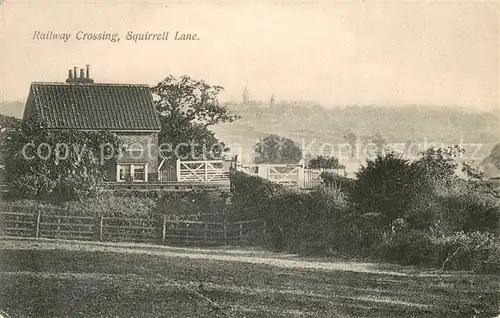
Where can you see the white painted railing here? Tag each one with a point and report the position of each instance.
(196, 171)
(215, 171)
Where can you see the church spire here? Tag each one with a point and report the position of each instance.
(246, 96)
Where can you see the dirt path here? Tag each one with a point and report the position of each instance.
(220, 254)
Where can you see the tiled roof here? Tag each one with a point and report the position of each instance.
(92, 106)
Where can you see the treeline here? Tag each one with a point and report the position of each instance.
(415, 212)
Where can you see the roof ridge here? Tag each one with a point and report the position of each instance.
(90, 84)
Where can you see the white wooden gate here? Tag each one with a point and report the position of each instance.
(290, 174)
(312, 177)
(203, 171)
(285, 174)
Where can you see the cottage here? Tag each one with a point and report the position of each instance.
(125, 109)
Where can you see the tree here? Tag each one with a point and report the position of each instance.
(439, 164)
(271, 101)
(378, 141)
(409, 143)
(187, 108)
(352, 140)
(321, 162)
(387, 185)
(473, 171)
(494, 156)
(64, 164)
(276, 149)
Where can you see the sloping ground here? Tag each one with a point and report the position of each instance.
(47, 278)
(318, 130)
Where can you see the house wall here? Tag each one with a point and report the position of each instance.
(146, 141)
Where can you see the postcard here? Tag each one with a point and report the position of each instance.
(249, 159)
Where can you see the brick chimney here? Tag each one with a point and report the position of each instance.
(84, 76)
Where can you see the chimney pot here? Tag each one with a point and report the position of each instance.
(88, 71)
(75, 73)
(70, 74)
(81, 73)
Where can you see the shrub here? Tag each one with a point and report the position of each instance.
(125, 205)
(477, 251)
(480, 213)
(72, 171)
(387, 185)
(411, 247)
(333, 180)
(320, 162)
(393, 211)
(427, 214)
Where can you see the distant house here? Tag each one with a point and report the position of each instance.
(125, 109)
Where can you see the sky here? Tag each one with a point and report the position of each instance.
(396, 53)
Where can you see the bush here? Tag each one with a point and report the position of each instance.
(126, 205)
(320, 162)
(333, 180)
(412, 247)
(472, 211)
(393, 212)
(62, 172)
(388, 185)
(477, 251)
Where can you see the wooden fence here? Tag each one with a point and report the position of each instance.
(164, 185)
(121, 229)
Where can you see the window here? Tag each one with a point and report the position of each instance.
(132, 172)
(124, 172)
(139, 173)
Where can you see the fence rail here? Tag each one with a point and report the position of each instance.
(161, 229)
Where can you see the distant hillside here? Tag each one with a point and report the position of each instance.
(13, 109)
(315, 124)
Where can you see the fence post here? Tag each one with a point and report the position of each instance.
(301, 176)
(241, 232)
(100, 227)
(225, 231)
(164, 229)
(263, 171)
(178, 169)
(206, 172)
(231, 176)
(37, 224)
(58, 227)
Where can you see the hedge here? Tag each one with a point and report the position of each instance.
(127, 205)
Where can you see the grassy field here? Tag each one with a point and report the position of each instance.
(41, 278)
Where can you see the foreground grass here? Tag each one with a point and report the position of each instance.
(60, 280)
